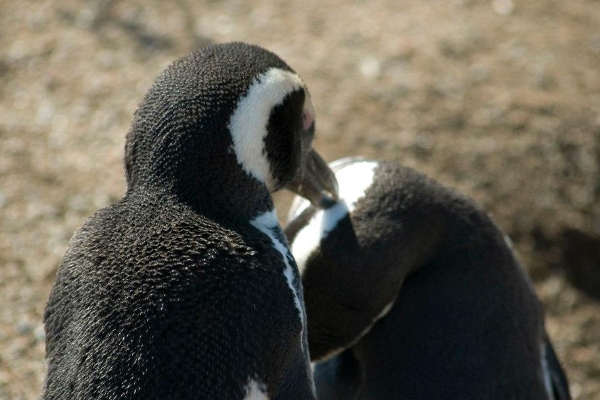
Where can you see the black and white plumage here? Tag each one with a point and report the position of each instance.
(185, 289)
(412, 292)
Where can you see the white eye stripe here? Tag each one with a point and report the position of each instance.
(248, 124)
(354, 180)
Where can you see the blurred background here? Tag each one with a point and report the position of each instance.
(499, 99)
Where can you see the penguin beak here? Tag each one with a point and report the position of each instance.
(316, 182)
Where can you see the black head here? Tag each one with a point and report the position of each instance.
(223, 127)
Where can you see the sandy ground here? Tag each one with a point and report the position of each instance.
(499, 99)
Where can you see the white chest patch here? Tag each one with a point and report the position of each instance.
(248, 124)
(546, 373)
(353, 180)
(267, 223)
(255, 391)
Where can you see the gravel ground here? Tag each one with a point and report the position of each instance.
(498, 99)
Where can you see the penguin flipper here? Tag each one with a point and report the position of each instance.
(559, 385)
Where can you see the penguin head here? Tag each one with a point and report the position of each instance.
(228, 123)
(308, 226)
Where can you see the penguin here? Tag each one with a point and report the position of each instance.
(413, 292)
(185, 288)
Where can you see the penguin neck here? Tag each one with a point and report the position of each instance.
(198, 169)
(228, 201)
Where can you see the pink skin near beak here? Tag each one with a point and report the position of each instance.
(315, 181)
(307, 119)
(308, 114)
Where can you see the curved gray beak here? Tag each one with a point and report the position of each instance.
(316, 182)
